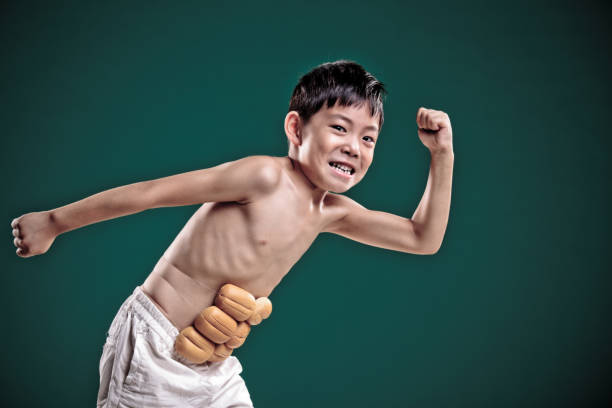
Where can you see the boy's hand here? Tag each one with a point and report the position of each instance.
(205, 342)
(219, 329)
(34, 233)
(435, 130)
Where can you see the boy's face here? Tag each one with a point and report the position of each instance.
(337, 146)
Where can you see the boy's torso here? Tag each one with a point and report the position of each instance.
(251, 245)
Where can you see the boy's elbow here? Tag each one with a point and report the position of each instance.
(420, 249)
(429, 249)
(434, 250)
(424, 252)
(154, 194)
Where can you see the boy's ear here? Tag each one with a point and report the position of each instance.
(293, 128)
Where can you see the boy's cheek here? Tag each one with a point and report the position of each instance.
(365, 169)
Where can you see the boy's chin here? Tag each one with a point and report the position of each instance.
(338, 186)
(339, 189)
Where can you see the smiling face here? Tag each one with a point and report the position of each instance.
(336, 147)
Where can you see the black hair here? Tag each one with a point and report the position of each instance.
(344, 81)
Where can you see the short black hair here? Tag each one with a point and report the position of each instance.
(344, 81)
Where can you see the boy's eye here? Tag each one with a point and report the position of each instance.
(371, 139)
(338, 126)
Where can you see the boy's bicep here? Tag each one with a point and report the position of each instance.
(239, 180)
(377, 228)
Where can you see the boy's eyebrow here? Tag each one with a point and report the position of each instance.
(337, 115)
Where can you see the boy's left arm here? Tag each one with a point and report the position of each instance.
(424, 232)
(431, 215)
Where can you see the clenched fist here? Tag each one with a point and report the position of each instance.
(434, 130)
(221, 328)
(34, 233)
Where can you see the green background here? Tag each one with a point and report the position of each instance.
(513, 311)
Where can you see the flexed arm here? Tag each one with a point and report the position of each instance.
(240, 180)
(431, 216)
(423, 233)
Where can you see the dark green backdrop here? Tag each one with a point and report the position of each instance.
(513, 311)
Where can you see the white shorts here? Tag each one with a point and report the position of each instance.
(140, 368)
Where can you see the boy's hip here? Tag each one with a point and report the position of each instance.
(139, 366)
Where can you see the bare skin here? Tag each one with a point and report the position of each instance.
(252, 245)
(261, 213)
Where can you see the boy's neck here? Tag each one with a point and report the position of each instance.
(304, 184)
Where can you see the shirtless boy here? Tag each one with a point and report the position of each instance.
(259, 215)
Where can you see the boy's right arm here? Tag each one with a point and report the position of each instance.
(241, 181)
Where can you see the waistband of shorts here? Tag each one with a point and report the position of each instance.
(154, 317)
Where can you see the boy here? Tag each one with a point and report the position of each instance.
(260, 214)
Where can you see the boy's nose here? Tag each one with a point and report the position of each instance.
(351, 148)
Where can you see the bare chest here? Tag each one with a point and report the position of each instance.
(252, 245)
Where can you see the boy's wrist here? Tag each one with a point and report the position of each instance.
(54, 222)
(443, 151)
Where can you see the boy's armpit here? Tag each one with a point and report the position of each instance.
(377, 228)
(240, 180)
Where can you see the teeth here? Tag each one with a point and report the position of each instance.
(342, 167)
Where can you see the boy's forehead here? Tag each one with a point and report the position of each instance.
(353, 114)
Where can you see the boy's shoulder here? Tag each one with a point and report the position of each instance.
(265, 172)
(263, 161)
